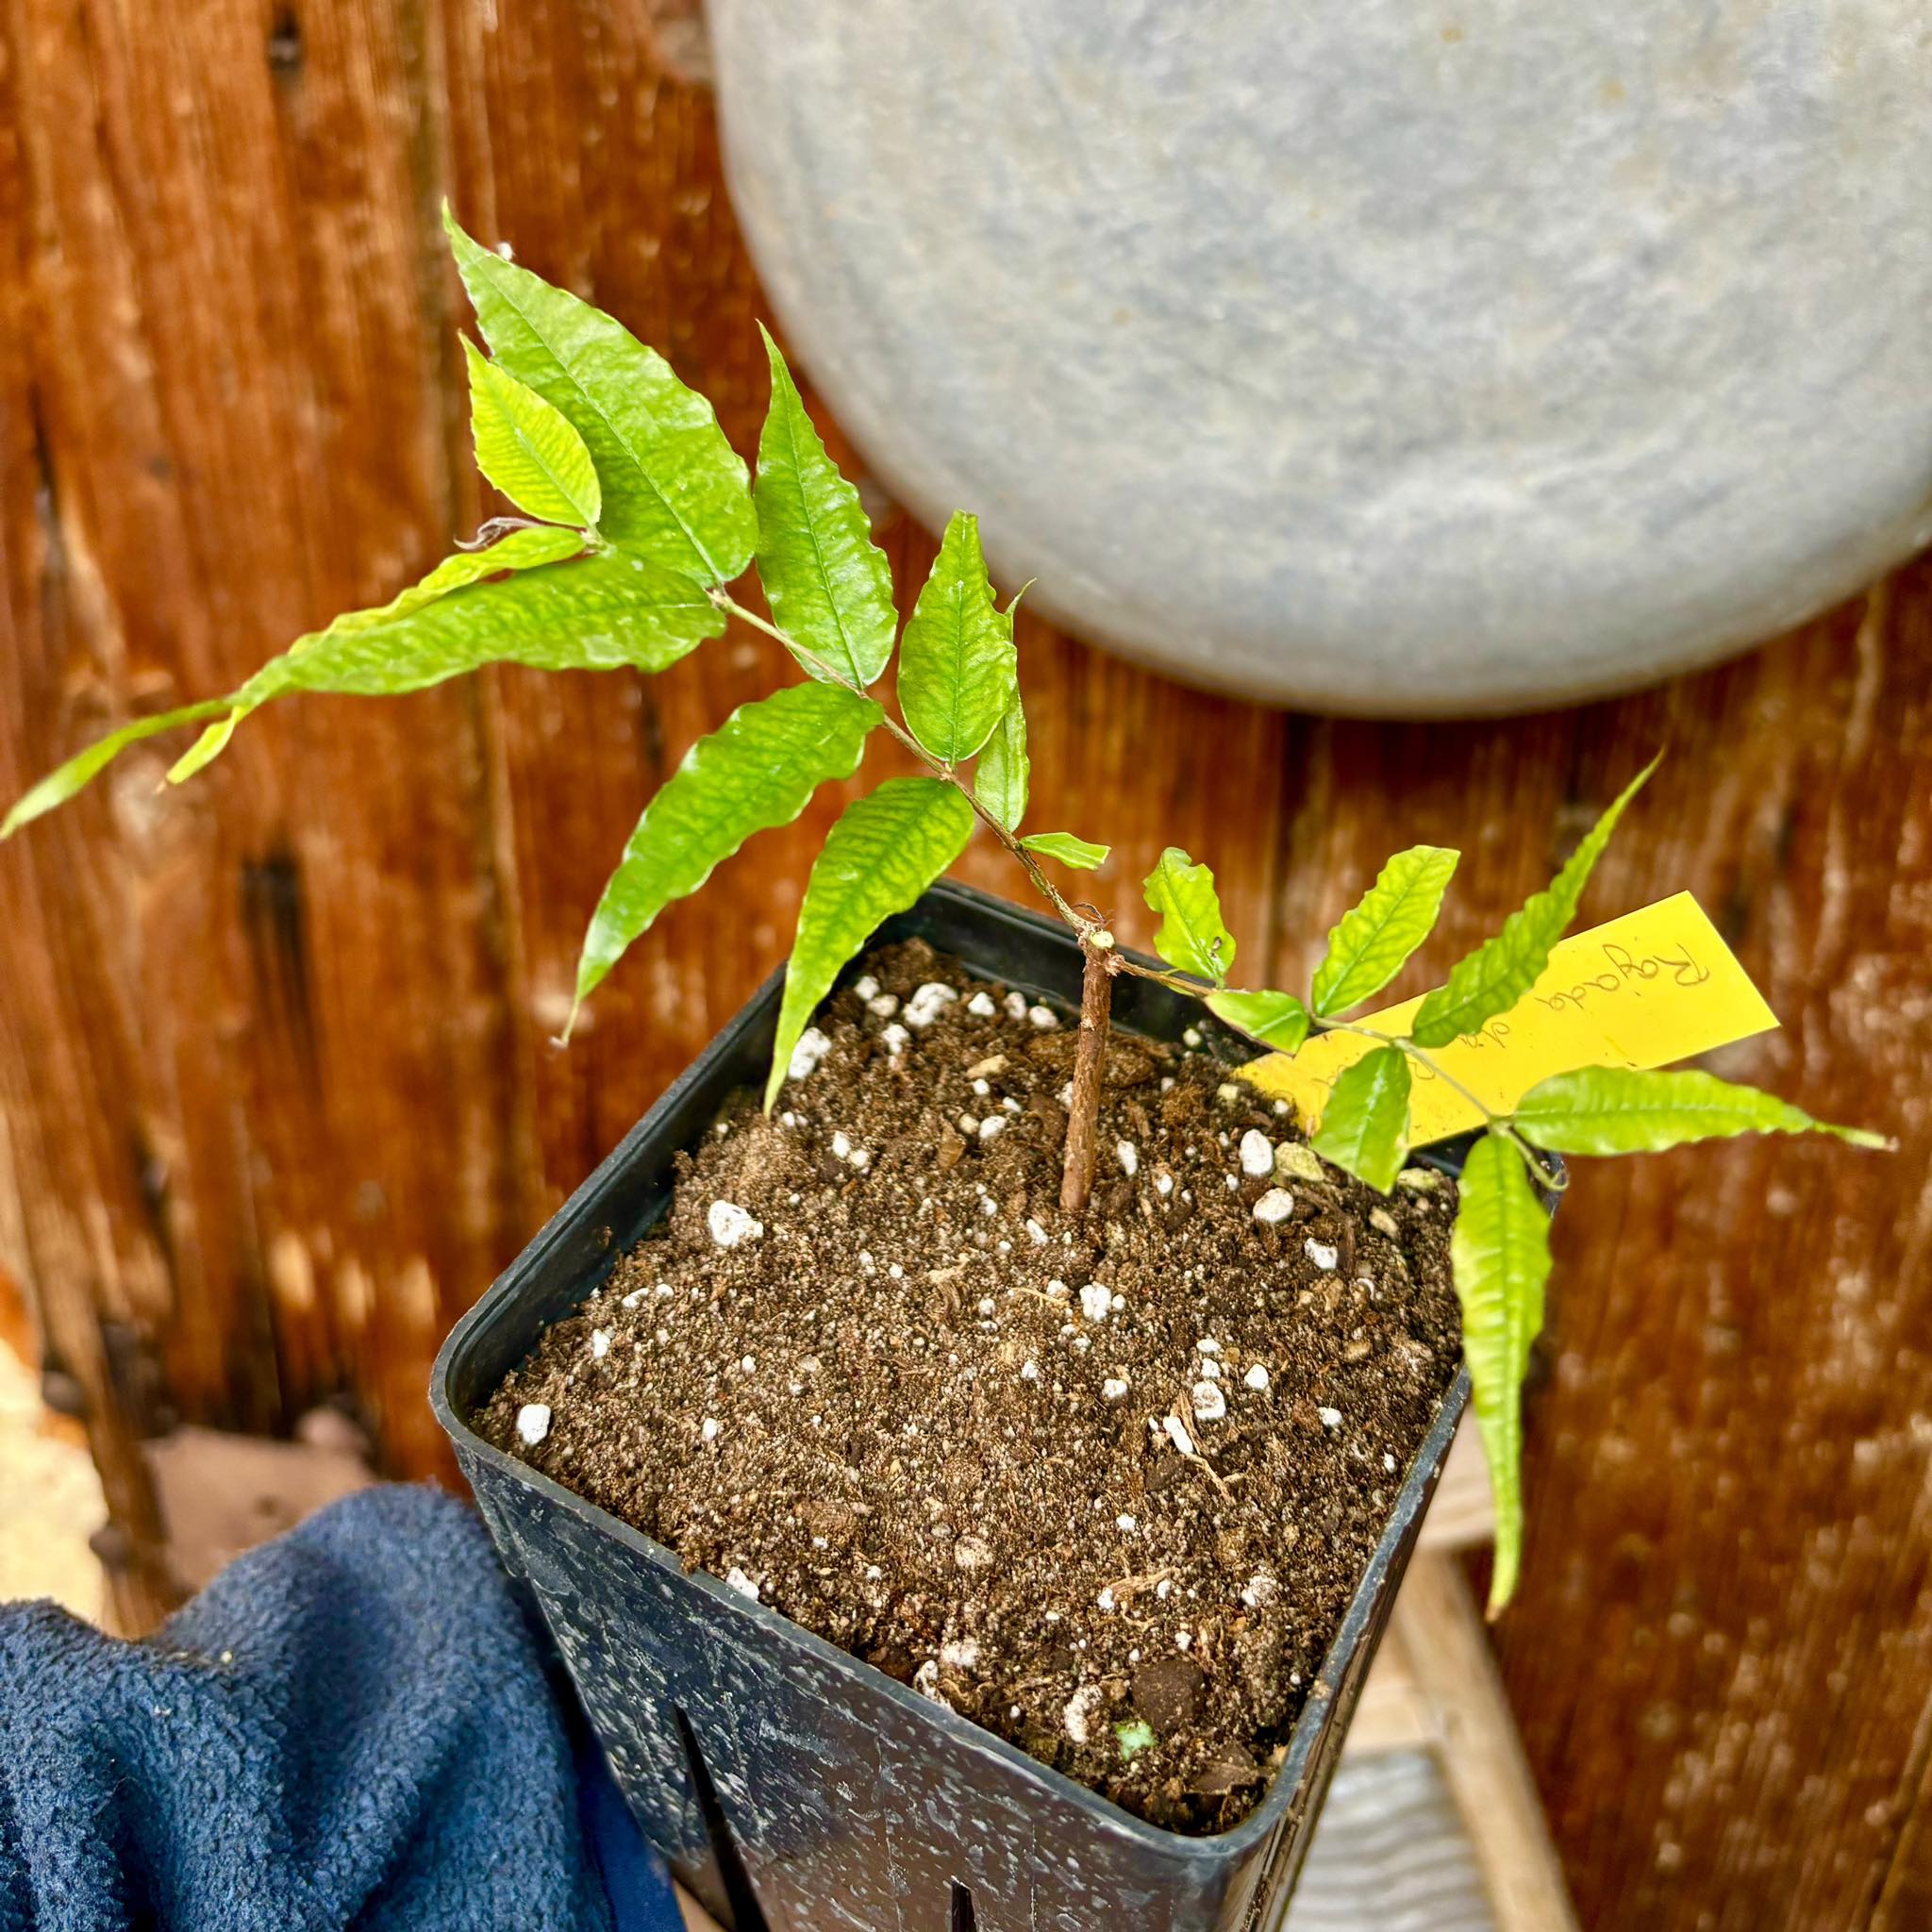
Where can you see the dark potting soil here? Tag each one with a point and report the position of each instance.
(1103, 1485)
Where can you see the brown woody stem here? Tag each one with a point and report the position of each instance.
(1090, 1058)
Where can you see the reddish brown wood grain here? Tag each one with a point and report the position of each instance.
(275, 1077)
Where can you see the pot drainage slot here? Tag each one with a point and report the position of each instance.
(962, 1919)
(746, 1915)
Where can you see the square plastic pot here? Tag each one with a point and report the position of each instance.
(790, 1785)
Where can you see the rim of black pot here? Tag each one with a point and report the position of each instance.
(1304, 1739)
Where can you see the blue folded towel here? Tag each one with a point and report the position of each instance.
(352, 1727)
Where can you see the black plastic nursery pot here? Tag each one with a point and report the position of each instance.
(791, 1785)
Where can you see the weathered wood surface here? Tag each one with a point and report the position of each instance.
(274, 1076)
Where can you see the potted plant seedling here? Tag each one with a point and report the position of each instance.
(965, 1478)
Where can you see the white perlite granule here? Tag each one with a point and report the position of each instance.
(1322, 1255)
(812, 1047)
(729, 1224)
(533, 1422)
(1130, 1157)
(928, 1003)
(1276, 1205)
(1113, 1389)
(981, 1007)
(1081, 1710)
(1094, 1302)
(735, 1579)
(1257, 1152)
(1257, 1377)
(1209, 1403)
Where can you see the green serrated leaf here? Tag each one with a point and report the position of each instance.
(1081, 854)
(758, 770)
(1375, 937)
(354, 654)
(956, 665)
(1276, 1019)
(529, 449)
(1192, 936)
(1623, 1111)
(64, 780)
(675, 491)
(1500, 1255)
(887, 849)
(828, 584)
(1000, 778)
(1494, 977)
(1365, 1123)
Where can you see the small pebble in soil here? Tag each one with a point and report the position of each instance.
(533, 1422)
(729, 1224)
(1257, 1152)
(735, 1579)
(1331, 1418)
(1384, 1223)
(1295, 1160)
(1276, 1205)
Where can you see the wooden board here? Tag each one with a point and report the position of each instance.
(275, 1083)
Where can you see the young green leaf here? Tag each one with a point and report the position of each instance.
(828, 584)
(1081, 854)
(1494, 977)
(1623, 1111)
(1375, 936)
(593, 615)
(675, 491)
(528, 449)
(64, 780)
(1192, 936)
(1000, 778)
(956, 665)
(1499, 1254)
(887, 847)
(758, 770)
(1365, 1123)
(1276, 1019)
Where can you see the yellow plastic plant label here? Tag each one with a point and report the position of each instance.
(1655, 986)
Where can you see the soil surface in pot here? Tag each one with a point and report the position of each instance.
(1106, 1486)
